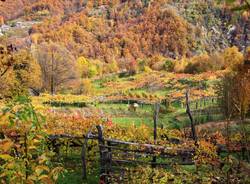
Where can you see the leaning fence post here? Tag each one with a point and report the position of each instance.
(188, 111)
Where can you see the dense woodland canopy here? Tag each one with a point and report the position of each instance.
(131, 35)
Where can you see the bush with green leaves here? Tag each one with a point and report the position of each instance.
(24, 154)
(168, 65)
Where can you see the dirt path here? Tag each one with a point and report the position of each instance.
(217, 125)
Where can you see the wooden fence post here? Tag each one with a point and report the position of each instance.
(194, 136)
(101, 143)
(208, 114)
(83, 156)
(156, 114)
(109, 158)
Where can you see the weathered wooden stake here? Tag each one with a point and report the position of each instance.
(109, 159)
(101, 143)
(156, 114)
(194, 136)
(83, 156)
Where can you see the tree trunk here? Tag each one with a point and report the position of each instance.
(52, 80)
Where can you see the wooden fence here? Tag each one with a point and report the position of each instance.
(117, 157)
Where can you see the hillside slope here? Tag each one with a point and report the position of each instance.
(127, 30)
(12, 9)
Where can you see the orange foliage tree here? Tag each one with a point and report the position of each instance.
(18, 72)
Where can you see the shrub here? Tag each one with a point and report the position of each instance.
(217, 60)
(198, 64)
(232, 57)
(142, 64)
(111, 67)
(92, 71)
(168, 65)
(148, 69)
(157, 62)
(32, 164)
(87, 87)
(158, 66)
(180, 65)
(144, 94)
(138, 95)
(247, 55)
(88, 68)
(204, 63)
(130, 94)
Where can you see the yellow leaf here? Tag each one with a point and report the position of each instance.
(2, 175)
(39, 169)
(10, 165)
(29, 181)
(32, 177)
(32, 147)
(36, 141)
(5, 157)
(45, 179)
(6, 145)
(42, 159)
(55, 172)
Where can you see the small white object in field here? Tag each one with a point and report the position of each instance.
(136, 105)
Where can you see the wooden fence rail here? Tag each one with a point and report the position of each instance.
(117, 156)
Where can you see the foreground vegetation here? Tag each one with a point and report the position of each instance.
(69, 122)
(75, 115)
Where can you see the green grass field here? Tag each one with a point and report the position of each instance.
(173, 117)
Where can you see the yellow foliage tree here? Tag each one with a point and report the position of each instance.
(235, 86)
(232, 58)
(180, 65)
(19, 71)
(82, 66)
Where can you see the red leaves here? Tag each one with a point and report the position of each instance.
(109, 123)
